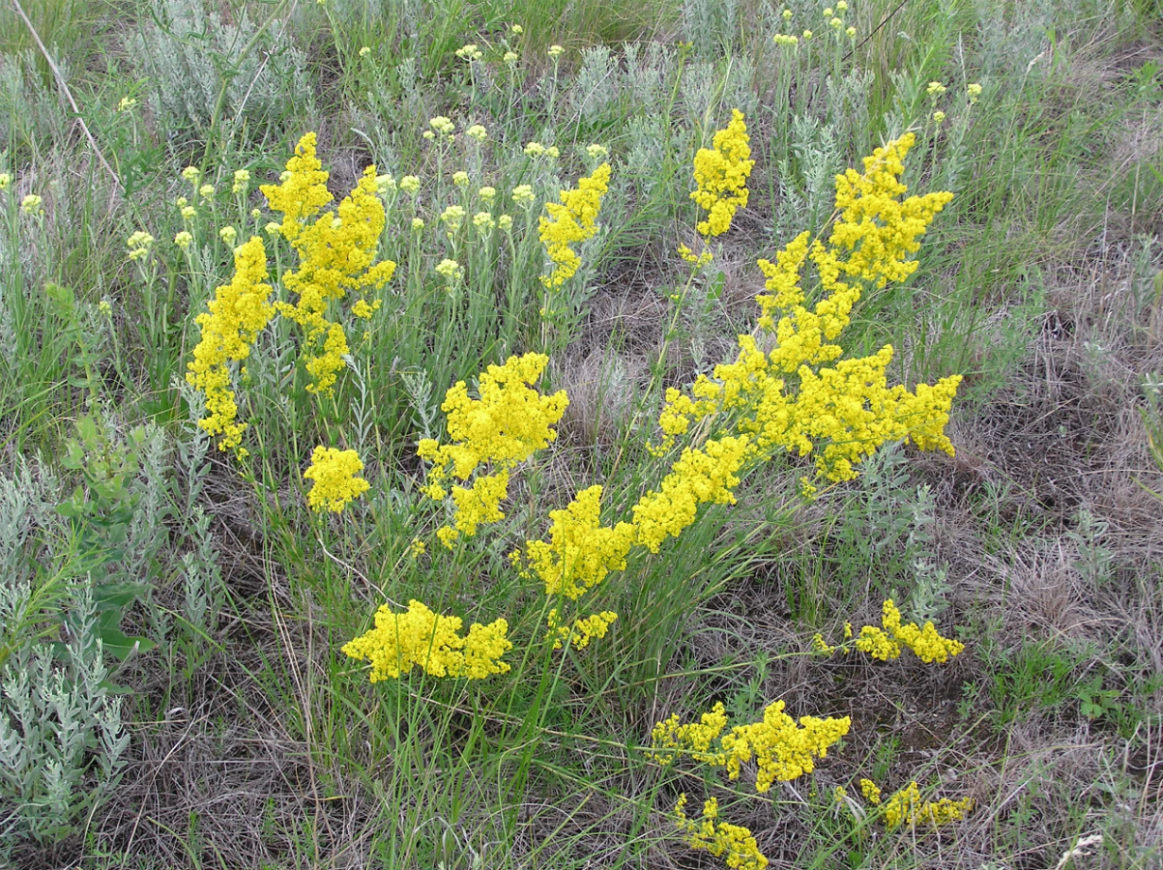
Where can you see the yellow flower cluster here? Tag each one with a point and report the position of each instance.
(237, 313)
(702, 476)
(721, 839)
(887, 642)
(335, 480)
(580, 551)
(905, 807)
(503, 427)
(879, 228)
(785, 399)
(580, 632)
(571, 222)
(783, 749)
(421, 638)
(721, 173)
(337, 255)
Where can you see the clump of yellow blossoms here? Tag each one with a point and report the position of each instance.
(421, 638)
(502, 428)
(238, 312)
(782, 748)
(571, 222)
(335, 479)
(581, 631)
(337, 255)
(887, 642)
(905, 807)
(735, 842)
(788, 398)
(721, 173)
(580, 552)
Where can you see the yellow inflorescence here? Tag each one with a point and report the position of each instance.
(721, 839)
(721, 173)
(702, 476)
(789, 398)
(783, 749)
(337, 255)
(335, 480)
(571, 222)
(580, 632)
(580, 551)
(887, 642)
(237, 313)
(421, 638)
(502, 428)
(905, 807)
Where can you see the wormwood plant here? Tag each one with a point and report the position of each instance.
(789, 389)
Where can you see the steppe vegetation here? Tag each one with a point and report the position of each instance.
(581, 434)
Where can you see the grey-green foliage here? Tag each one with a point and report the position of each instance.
(647, 71)
(62, 739)
(888, 531)
(189, 52)
(1095, 561)
(61, 735)
(710, 26)
(29, 110)
(203, 591)
(807, 185)
(595, 86)
(930, 577)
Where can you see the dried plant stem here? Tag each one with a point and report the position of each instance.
(56, 71)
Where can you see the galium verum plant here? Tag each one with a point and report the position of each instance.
(789, 388)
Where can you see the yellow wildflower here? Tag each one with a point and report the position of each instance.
(139, 245)
(336, 251)
(887, 642)
(905, 807)
(571, 222)
(580, 551)
(237, 313)
(335, 478)
(702, 476)
(442, 125)
(503, 427)
(721, 839)
(782, 748)
(453, 216)
(32, 204)
(580, 632)
(721, 173)
(786, 399)
(421, 638)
